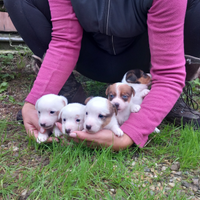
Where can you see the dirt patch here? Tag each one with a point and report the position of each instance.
(19, 77)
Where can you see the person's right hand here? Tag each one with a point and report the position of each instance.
(30, 119)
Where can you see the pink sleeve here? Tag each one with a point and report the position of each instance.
(165, 28)
(63, 51)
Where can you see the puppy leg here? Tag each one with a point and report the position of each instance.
(42, 137)
(145, 92)
(116, 130)
(135, 108)
(57, 132)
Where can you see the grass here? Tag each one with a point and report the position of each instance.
(73, 171)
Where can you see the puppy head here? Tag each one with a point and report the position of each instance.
(48, 108)
(137, 76)
(98, 113)
(72, 116)
(120, 95)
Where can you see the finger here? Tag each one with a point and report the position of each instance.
(59, 125)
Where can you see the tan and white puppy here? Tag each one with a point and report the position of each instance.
(101, 114)
(140, 81)
(121, 95)
(48, 108)
(72, 116)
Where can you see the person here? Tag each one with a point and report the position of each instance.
(103, 40)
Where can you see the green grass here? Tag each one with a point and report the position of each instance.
(77, 172)
(74, 171)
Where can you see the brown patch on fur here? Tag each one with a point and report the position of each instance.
(145, 80)
(127, 91)
(111, 90)
(137, 76)
(86, 101)
(115, 109)
(108, 116)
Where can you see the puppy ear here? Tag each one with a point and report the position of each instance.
(133, 91)
(86, 101)
(131, 77)
(64, 100)
(115, 108)
(107, 90)
(60, 113)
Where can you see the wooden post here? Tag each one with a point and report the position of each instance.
(6, 24)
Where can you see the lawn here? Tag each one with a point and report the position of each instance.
(167, 168)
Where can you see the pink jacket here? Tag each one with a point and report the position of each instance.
(165, 28)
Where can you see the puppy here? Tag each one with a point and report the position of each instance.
(140, 81)
(100, 114)
(121, 95)
(72, 116)
(48, 108)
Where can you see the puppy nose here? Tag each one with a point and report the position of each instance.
(42, 125)
(117, 105)
(88, 127)
(68, 131)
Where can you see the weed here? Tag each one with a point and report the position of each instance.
(95, 88)
(3, 87)
(6, 59)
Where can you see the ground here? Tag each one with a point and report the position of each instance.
(157, 171)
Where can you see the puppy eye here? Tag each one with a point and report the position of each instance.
(52, 112)
(101, 116)
(125, 97)
(64, 119)
(86, 113)
(78, 120)
(111, 96)
(38, 112)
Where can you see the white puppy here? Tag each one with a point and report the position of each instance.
(48, 108)
(140, 82)
(101, 114)
(72, 116)
(121, 95)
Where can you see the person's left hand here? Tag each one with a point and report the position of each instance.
(104, 138)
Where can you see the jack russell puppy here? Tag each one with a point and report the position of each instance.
(121, 95)
(72, 116)
(48, 108)
(101, 114)
(140, 81)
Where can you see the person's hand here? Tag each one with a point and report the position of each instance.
(104, 138)
(31, 124)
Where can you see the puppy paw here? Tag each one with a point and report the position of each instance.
(145, 92)
(117, 131)
(42, 137)
(156, 130)
(57, 132)
(135, 108)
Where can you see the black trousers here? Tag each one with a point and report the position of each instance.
(32, 20)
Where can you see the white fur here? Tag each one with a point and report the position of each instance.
(72, 116)
(48, 107)
(95, 108)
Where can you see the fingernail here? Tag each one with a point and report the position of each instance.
(73, 135)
